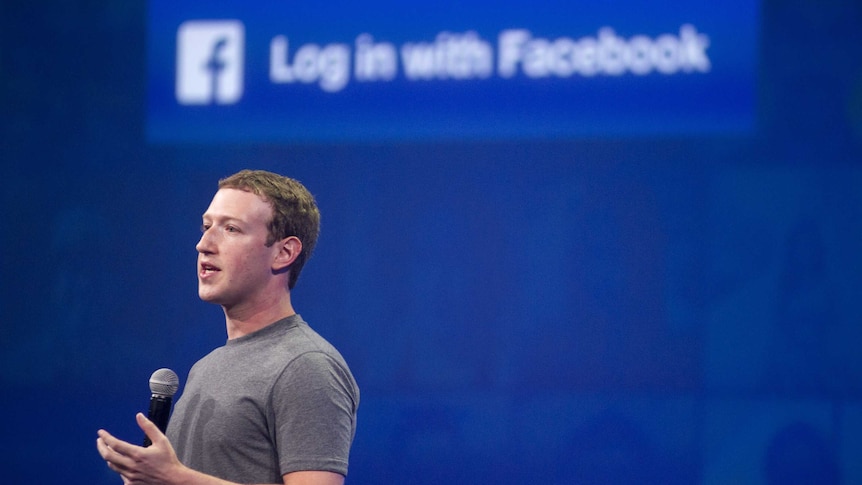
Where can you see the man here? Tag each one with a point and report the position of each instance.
(275, 404)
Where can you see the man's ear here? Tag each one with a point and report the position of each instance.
(288, 250)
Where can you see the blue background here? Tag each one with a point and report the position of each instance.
(644, 309)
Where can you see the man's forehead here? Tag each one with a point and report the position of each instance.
(238, 204)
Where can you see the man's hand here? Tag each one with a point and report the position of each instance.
(157, 464)
(154, 465)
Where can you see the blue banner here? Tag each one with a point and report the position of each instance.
(274, 71)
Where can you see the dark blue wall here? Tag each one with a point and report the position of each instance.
(674, 310)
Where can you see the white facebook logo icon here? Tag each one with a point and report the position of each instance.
(210, 61)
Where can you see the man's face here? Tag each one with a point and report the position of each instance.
(234, 263)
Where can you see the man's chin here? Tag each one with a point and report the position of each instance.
(208, 297)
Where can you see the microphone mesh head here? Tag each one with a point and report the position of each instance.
(164, 382)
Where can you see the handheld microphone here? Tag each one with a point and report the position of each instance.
(163, 385)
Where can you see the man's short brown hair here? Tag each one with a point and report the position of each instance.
(294, 211)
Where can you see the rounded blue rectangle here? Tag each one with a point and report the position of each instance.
(381, 70)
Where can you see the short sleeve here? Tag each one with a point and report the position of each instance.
(313, 408)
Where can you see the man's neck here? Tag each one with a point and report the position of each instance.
(243, 321)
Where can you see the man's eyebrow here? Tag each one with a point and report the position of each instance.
(221, 218)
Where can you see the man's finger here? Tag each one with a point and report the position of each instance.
(116, 445)
(149, 428)
(102, 448)
(116, 461)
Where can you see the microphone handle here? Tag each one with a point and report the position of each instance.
(160, 411)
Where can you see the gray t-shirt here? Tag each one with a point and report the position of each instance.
(276, 401)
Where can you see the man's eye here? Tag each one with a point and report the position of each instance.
(204, 227)
(231, 229)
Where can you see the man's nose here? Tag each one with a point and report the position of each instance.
(205, 244)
